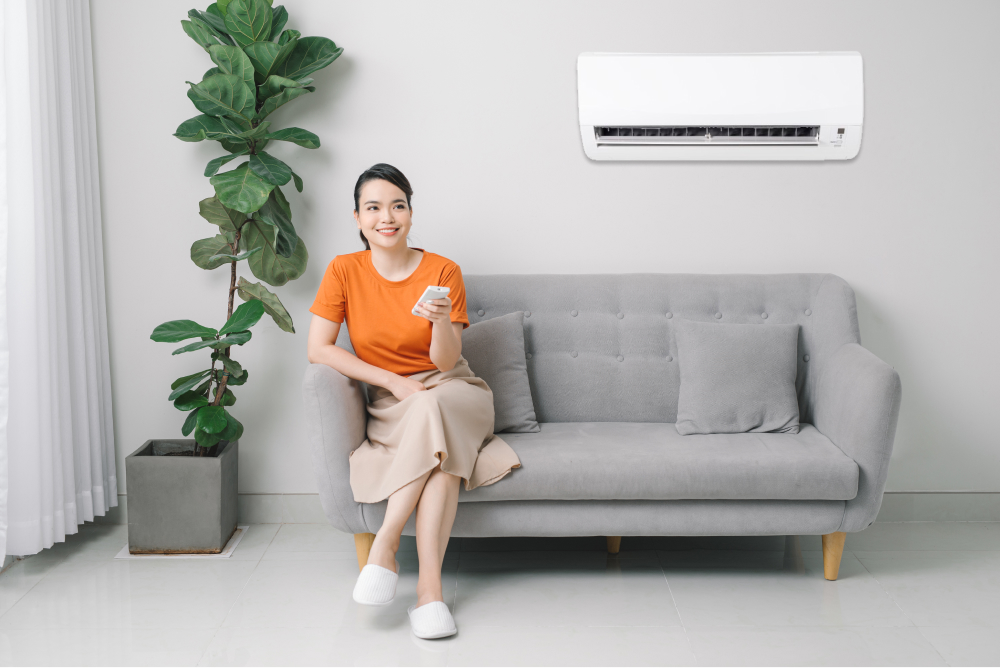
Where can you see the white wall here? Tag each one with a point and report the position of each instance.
(476, 103)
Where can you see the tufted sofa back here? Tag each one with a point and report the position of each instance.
(601, 348)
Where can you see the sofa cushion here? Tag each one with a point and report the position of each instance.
(737, 378)
(494, 349)
(649, 460)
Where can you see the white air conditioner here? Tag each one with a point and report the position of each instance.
(761, 106)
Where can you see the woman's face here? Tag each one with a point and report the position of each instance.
(383, 215)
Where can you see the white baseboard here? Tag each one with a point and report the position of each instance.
(896, 507)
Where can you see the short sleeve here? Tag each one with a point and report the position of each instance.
(331, 298)
(451, 277)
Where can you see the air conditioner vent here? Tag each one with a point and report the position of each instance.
(695, 135)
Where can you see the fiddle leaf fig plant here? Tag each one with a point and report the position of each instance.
(258, 67)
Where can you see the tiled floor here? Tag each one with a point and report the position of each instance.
(908, 594)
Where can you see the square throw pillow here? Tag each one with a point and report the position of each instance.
(494, 349)
(736, 378)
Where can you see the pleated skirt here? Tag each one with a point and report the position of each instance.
(450, 424)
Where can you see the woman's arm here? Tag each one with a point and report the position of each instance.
(446, 336)
(322, 349)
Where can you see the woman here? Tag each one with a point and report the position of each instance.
(430, 419)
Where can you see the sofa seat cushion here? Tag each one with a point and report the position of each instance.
(644, 460)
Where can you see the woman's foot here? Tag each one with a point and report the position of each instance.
(383, 553)
(425, 598)
(432, 620)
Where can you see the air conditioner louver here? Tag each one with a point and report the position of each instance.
(719, 136)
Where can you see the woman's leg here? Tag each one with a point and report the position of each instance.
(435, 517)
(401, 505)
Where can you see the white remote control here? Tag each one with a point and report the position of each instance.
(432, 292)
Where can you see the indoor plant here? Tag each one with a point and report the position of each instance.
(259, 66)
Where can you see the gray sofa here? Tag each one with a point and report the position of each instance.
(602, 365)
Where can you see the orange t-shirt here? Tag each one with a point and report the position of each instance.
(384, 332)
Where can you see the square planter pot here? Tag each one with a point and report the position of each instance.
(180, 504)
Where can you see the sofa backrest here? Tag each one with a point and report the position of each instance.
(601, 348)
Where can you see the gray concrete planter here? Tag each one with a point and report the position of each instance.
(180, 504)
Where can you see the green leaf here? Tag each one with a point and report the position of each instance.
(231, 365)
(237, 339)
(203, 388)
(279, 17)
(214, 10)
(190, 422)
(223, 95)
(303, 138)
(272, 305)
(270, 169)
(241, 189)
(204, 251)
(244, 317)
(189, 401)
(214, 164)
(277, 212)
(310, 54)
(189, 382)
(288, 36)
(215, 24)
(228, 398)
(248, 21)
(268, 265)
(298, 181)
(232, 60)
(267, 57)
(212, 18)
(233, 429)
(180, 381)
(179, 330)
(205, 439)
(234, 381)
(200, 33)
(199, 128)
(235, 258)
(212, 210)
(221, 5)
(275, 85)
(212, 419)
(275, 101)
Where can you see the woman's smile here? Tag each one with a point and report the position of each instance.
(388, 231)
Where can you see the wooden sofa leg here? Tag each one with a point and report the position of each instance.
(614, 544)
(833, 550)
(363, 544)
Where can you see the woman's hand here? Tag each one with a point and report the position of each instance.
(438, 311)
(446, 336)
(403, 387)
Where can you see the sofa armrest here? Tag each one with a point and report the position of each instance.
(857, 407)
(336, 420)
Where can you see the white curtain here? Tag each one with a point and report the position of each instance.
(55, 391)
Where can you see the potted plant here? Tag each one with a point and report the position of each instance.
(182, 493)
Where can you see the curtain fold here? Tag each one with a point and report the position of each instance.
(60, 440)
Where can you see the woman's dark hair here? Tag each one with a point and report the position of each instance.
(383, 172)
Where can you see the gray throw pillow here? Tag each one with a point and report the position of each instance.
(494, 349)
(736, 378)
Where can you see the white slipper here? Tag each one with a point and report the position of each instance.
(376, 585)
(432, 620)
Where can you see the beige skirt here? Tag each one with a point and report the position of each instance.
(450, 424)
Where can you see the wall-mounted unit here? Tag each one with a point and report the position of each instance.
(761, 106)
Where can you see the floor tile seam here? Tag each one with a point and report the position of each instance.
(673, 600)
(887, 593)
(246, 582)
(26, 592)
(933, 646)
